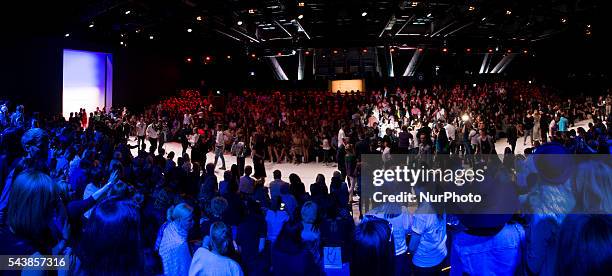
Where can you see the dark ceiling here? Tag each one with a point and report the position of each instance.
(287, 24)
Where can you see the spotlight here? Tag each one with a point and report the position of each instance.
(307, 53)
(420, 49)
(563, 20)
(121, 43)
(335, 51)
(151, 37)
(253, 55)
(137, 31)
(414, 4)
(444, 50)
(529, 82)
(293, 52)
(300, 16)
(199, 18)
(466, 117)
(67, 35)
(365, 51)
(189, 30)
(469, 50)
(429, 15)
(509, 51)
(490, 50)
(207, 58)
(525, 52)
(364, 14)
(496, 49)
(588, 25)
(218, 92)
(229, 57)
(128, 12)
(300, 4)
(251, 11)
(279, 54)
(508, 12)
(483, 19)
(239, 22)
(188, 60)
(392, 50)
(91, 25)
(252, 73)
(471, 8)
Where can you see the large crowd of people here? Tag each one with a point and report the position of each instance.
(71, 186)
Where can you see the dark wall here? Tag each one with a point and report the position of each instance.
(143, 77)
(31, 74)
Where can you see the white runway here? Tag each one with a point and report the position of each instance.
(308, 172)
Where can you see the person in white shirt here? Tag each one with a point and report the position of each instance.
(451, 132)
(219, 144)
(209, 260)
(341, 136)
(275, 218)
(428, 239)
(141, 127)
(152, 135)
(172, 240)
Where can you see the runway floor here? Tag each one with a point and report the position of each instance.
(309, 171)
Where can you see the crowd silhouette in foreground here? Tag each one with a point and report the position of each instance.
(73, 187)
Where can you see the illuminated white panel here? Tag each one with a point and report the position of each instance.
(87, 78)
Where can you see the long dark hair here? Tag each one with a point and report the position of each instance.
(289, 239)
(111, 242)
(584, 245)
(373, 248)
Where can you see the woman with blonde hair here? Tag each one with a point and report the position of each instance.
(172, 240)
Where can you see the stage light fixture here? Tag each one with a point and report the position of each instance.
(420, 49)
(307, 53)
(563, 20)
(253, 56)
(508, 12)
(239, 22)
(364, 14)
(67, 35)
(251, 11)
(279, 54)
(300, 16)
(218, 92)
(509, 51)
(151, 37)
(490, 50)
(525, 52)
(444, 50)
(301, 4)
(128, 12)
(229, 57)
(199, 18)
(137, 31)
(529, 82)
(392, 50)
(365, 51)
(121, 43)
(252, 73)
(189, 30)
(496, 49)
(469, 50)
(414, 4)
(471, 8)
(207, 58)
(335, 51)
(188, 60)
(91, 25)
(483, 19)
(429, 15)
